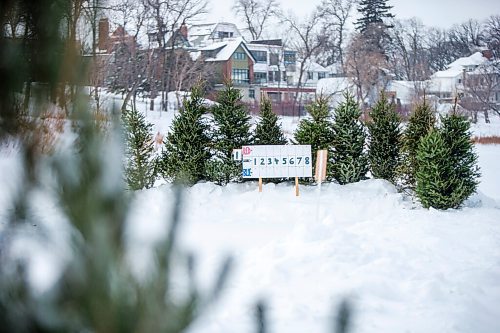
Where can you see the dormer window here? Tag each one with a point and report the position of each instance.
(224, 34)
(240, 56)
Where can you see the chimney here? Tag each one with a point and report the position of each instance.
(103, 34)
(184, 30)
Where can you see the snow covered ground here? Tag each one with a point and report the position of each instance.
(404, 268)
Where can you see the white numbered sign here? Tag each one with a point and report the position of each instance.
(277, 161)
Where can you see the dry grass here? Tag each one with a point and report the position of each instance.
(487, 140)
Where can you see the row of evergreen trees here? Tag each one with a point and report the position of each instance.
(438, 164)
(198, 147)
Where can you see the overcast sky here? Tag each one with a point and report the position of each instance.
(437, 13)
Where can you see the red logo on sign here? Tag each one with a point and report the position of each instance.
(246, 150)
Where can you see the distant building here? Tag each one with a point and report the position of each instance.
(449, 83)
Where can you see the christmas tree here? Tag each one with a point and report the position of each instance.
(268, 131)
(140, 169)
(447, 170)
(232, 131)
(317, 130)
(349, 161)
(420, 123)
(186, 150)
(384, 140)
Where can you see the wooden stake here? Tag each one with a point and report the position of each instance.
(260, 184)
(296, 186)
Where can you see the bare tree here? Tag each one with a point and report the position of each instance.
(256, 14)
(165, 20)
(482, 90)
(409, 58)
(335, 16)
(307, 39)
(492, 34)
(366, 68)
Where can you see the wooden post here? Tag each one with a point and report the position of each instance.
(296, 186)
(260, 184)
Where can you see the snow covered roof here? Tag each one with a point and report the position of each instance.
(227, 48)
(475, 59)
(333, 86)
(404, 89)
(448, 73)
(313, 67)
(457, 67)
(203, 34)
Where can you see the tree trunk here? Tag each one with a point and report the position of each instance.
(486, 117)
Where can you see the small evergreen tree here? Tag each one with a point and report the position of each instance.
(316, 131)
(456, 135)
(187, 146)
(232, 131)
(349, 160)
(421, 122)
(140, 169)
(268, 131)
(447, 170)
(384, 140)
(433, 176)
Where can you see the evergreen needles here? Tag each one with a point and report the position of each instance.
(446, 172)
(232, 131)
(268, 131)
(384, 140)
(187, 146)
(421, 122)
(140, 169)
(316, 131)
(348, 158)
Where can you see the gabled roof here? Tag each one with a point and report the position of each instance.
(457, 67)
(202, 34)
(475, 59)
(226, 49)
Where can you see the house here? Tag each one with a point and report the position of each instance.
(108, 42)
(449, 83)
(232, 59)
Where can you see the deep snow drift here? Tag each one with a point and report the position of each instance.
(406, 269)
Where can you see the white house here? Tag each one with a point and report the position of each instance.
(449, 83)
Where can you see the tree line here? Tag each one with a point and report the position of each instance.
(437, 163)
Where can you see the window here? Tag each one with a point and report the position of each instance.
(270, 76)
(240, 75)
(260, 56)
(321, 75)
(224, 34)
(260, 77)
(289, 57)
(310, 75)
(277, 76)
(274, 59)
(251, 93)
(240, 56)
